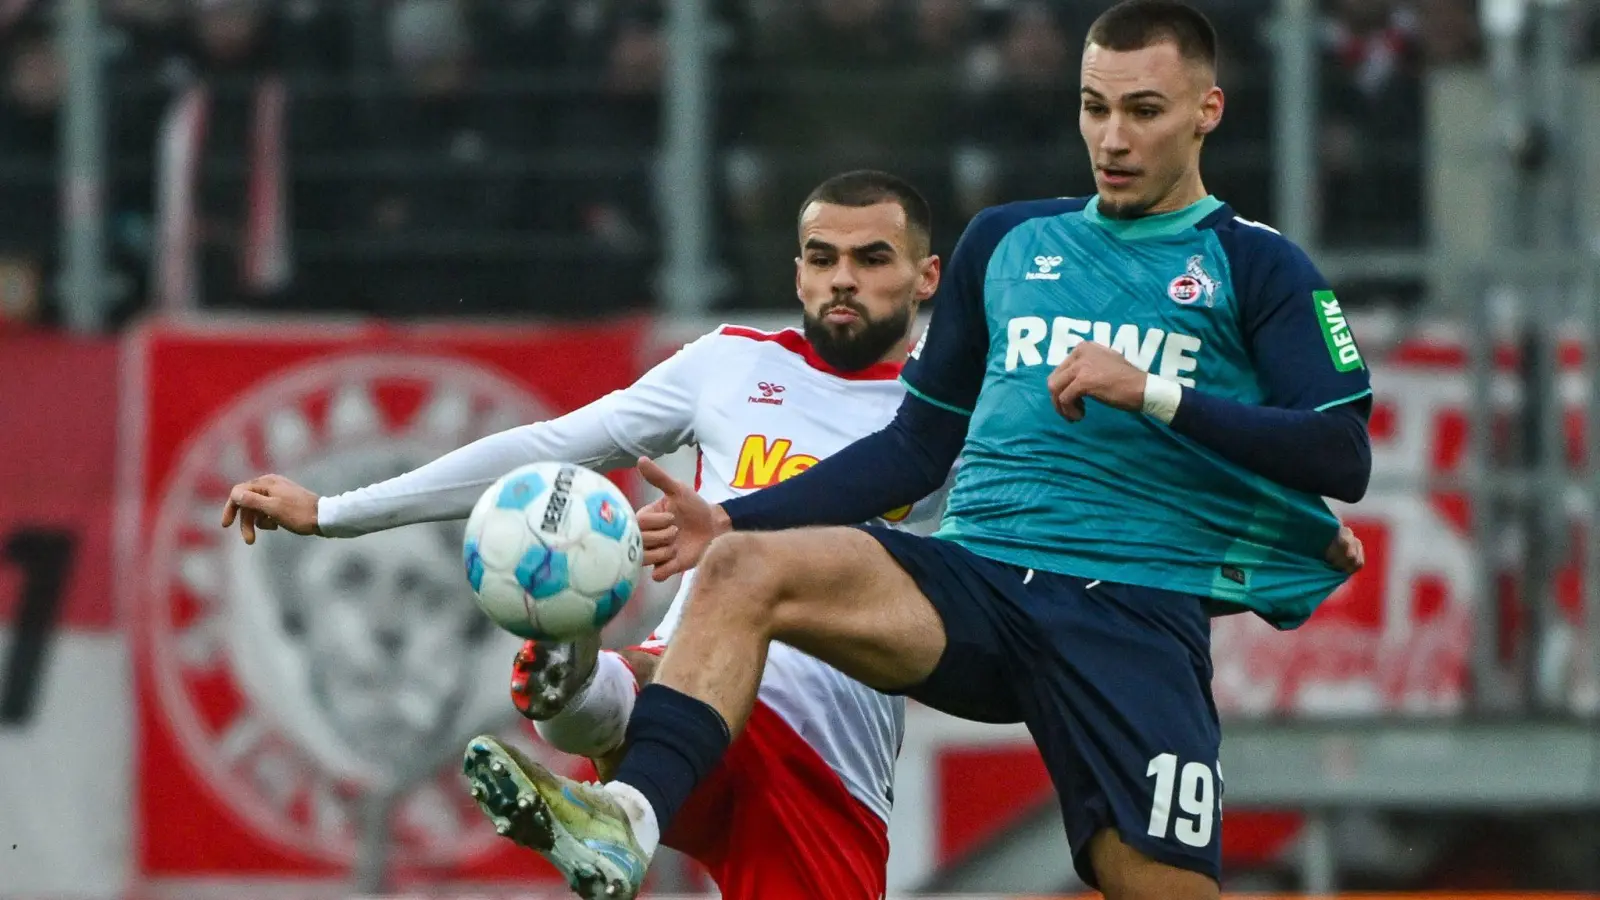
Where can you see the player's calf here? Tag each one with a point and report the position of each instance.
(643, 663)
(590, 719)
(578, 697)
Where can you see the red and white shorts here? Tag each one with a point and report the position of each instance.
(775, 822)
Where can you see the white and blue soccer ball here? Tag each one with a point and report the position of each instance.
(552, 551)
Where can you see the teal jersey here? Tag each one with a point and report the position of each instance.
(1199, 296)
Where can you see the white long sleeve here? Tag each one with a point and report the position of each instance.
(653, 416)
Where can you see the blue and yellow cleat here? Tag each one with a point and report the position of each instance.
(579, 827)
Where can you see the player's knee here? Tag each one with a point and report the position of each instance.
(739, 572)
(732, 558)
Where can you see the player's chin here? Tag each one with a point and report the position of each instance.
(844, 330)
(1122, 202)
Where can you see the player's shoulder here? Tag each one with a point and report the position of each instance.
(996, 221)
(721, 345)
(749, 333)
(731, 335)
(746, 339)
(1254, 245)
(992, 225)
(789, 348)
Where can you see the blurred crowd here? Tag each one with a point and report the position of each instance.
(490, 157)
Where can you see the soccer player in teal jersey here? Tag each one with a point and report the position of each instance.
(1149, 398)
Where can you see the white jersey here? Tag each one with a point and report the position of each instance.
(760, 407)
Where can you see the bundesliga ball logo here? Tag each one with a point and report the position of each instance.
(301, 673)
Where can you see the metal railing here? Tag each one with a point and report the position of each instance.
(688, 166)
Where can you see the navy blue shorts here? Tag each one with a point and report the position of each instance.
(1113, 682)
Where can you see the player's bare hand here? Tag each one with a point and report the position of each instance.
(268, 503)
(1095, 370)
(679, 526)
(657, 525)
(1346, 553)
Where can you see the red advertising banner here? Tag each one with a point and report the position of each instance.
(65, 711)
(279, 684)
(58, 415)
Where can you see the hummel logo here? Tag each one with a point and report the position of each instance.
(769, 393)
(1045, 265)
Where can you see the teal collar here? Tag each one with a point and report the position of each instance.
(1159, 225)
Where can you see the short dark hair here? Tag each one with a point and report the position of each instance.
(1136, 24)
(868, 187)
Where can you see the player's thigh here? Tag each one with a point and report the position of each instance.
(1122, 711)
(902, 590)
(833, 593)
(1127, 874)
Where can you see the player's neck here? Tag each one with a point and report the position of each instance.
(898, 353)
(1187, 192)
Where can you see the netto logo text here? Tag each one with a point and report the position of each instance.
(560, 497)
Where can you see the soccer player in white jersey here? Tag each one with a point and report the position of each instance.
(799, 807)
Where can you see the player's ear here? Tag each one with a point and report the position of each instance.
(929, 270)
(799, 267)
(1211, 104)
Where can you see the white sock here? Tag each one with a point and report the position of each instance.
(640, 815)
(595, 722)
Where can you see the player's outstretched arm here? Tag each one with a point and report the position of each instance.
(651, 417)
(440, 490)
(894, 467)
(897, 466)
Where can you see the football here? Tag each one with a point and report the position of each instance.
(552, 551)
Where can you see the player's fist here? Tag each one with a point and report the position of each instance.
(1095, 370)
(678, 527)
(268, 503)
(1346, 553)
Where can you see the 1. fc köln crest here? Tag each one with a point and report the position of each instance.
(280, 684)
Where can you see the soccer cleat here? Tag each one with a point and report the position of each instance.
(545, 676)
(578, 827)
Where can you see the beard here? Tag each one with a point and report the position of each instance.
(1126, 208)
(853, 347)
(1124, 211)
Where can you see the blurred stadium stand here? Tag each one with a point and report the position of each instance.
(299, 175)
(450, 157)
